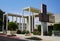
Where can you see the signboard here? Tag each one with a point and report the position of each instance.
(44, 9)
(51, 19)
(43, 17)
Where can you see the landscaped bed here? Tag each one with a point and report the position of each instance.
(34, 38)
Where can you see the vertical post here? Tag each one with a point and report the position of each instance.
(6, 22)
(16, 19)
(32, 22)
(43, 23)
(22, 19)
(3, 24)
(19, 23)
(27, 28)
(24, 24)
(43, 28)
(12, 18)
(29, 20)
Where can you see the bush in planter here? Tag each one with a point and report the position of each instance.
(18, 31)
(12, 26)
(36, 32)
(49, 33)
(56, 26)
(34, 38)
(27, 32)
(39, 28)
(23, 32)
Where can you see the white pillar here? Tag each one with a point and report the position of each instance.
(16, 19)
(24, 24)
(32, 22)
(27, 27)
(12, 18)
(29, 21)
(19, 23)
(3, 24)
(6, 22)
(43, 28)
(22, 19)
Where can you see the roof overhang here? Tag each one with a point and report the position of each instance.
(31, 9)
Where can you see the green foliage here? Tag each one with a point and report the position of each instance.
(34, 38)
(23, 32)
(56, 26)
(49, 33)
(1, 12)
(0, 21)
(18, 31)
(1, 24)
(12, 26)
(39, 28)
(36, 32)
(27, 32)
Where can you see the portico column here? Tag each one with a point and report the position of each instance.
(16, 19)
(43, 28)
(24, 24)
(6, 22)
(3, 24)
(27, 28)
(19, 23)
(29, 21)
(12, 18)
(22, 19)
(32, 22)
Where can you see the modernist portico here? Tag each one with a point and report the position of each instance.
(30, 19)
(30, 25)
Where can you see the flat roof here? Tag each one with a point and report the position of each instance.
(35, 10)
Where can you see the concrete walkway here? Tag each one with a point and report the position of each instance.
(44, 38)
(47, 38)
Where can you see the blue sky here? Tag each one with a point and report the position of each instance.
(16, 6)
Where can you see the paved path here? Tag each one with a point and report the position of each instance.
(2, 38)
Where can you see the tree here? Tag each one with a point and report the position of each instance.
(12, 26)
(1, 19)
(56, 26)
(1, 22)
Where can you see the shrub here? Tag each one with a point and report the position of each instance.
(36, 32)
(18, 31)
(49, 33)
(12, 26)
(56, 26)
(23, 32)
(34, 38)
(27, 32)
(39, 28)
